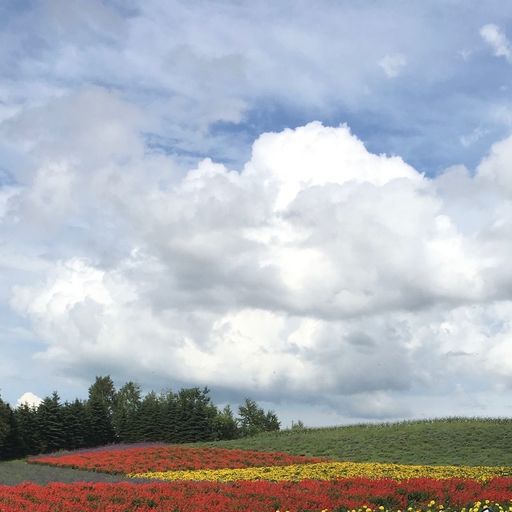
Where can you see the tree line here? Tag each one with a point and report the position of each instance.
(125, 416)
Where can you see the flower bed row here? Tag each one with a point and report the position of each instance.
(169, 458)
(331, 471)
(361, 495)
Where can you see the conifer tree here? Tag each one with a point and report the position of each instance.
(5, 427)
(100, 424)
(9, 439)
(100, 409)
(195, 415)
(225, 425)
(76, 423)
(109, 416)
(28, 429)
(125, 417)
(150, 418)
(170, 418)
(50, 425)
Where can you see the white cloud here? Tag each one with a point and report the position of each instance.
(393, 64)
(188, 76)
(318, 270)
(497, 40)
(29, 399)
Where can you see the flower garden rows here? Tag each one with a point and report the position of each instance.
(358, 495)
(220, 480)
(169, 458)
(331, 471)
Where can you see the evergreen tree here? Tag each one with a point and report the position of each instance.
(225, 425)
(126, 412)
(50, 424)
(75, 421)
(28, 429)
(109, 416)
(170, 418)
(101, 430)
(99, 410)
(151, 418)
(9, 440)
(5, 427)
(104, 391)
(195, 415)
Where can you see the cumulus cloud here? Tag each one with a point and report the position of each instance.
(497, 40)
(318, 272)
(29, 399)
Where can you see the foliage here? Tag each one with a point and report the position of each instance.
(126, 411)
(225, 425)
(50, 424)
(110, 416)
(254, 420)
(100, 408)
(4, 423)
(28, 429)
(299, 425)
(9, 436)
(76, 423)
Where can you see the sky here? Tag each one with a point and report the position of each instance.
(308, 203)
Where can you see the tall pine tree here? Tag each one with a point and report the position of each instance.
(28, 429)
(50, 425)
(126, 411)
(100, 408)
(151, 418)
(9, 439)
(170, 417)
(76, 424)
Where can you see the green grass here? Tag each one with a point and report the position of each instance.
(459, 441)
(463, 441)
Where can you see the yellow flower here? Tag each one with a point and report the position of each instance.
(333, 470)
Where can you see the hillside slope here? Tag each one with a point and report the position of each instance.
(445, 441)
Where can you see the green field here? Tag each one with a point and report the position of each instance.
(459, 441)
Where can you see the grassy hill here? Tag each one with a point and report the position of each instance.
(459, 441)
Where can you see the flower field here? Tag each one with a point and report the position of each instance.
(184, 479)
(359, 495)
(331, 471)
(170, 458)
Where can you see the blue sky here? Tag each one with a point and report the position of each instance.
(265, 195)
